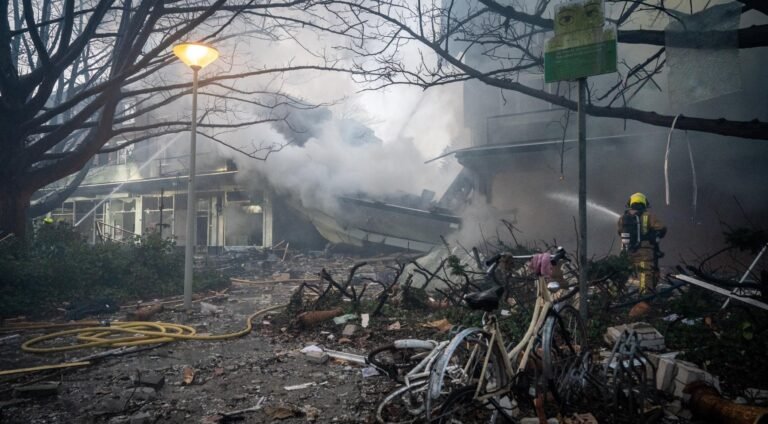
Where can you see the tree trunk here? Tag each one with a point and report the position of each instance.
(14, 203)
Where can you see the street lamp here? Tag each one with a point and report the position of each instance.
(197, 56)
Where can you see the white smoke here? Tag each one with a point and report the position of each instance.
(331, 164)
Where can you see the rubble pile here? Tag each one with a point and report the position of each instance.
(307, 363)
(258, 377)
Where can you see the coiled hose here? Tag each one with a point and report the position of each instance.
(132, 333)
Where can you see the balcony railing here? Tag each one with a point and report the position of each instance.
(107, 232)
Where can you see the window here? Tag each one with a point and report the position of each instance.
(65, 213)
(158, 214)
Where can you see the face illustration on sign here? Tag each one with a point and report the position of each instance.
(583, 45)
(579, 16)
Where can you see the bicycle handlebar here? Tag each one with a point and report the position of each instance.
(493, 262)
(557, 256)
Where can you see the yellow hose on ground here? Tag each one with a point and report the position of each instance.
(45, 368)
(138, 333)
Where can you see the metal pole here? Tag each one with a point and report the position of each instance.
(191, 201)
(746, 274)
(162, 192)
(582, 127)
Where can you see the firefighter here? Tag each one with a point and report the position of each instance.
(640, 231)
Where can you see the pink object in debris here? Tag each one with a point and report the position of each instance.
(541, 264)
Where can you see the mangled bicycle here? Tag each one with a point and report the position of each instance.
(474, 377)
(477, 379)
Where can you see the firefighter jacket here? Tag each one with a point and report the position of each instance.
(651, 227)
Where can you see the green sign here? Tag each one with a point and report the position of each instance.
(582, 46)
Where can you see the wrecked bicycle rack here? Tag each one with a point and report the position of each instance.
(401, 359)
(626, 383)
(409, 363)
(474, 379)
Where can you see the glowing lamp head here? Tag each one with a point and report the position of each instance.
(196, 55)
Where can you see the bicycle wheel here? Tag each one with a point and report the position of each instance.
(461, 365)
(404, 405)
(395, 361)
(566, 356)
(461, 407)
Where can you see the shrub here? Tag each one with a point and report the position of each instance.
(57, 265)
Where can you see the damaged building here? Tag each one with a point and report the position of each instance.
(143, 189)
(523, 157)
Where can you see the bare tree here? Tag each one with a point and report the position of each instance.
(496, 42)
(81, 77)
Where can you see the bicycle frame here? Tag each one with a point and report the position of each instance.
(433, 369)
(541, 310)
(543, 307)
(422, 369)
(417, 377)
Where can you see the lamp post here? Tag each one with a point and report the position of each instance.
(196, 56)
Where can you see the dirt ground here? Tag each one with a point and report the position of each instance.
(229, 375)
(260, 377)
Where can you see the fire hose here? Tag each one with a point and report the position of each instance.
(133, 333)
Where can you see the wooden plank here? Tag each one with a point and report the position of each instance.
(294, 280)
(285, 253)
(720, 290)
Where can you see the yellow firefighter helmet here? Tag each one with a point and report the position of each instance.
(637, 198)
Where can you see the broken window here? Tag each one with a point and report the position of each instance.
(158, 214)
(122, 218)
(243, 219)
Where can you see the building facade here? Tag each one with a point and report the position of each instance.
(144, 189)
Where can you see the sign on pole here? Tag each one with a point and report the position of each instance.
(583, 45)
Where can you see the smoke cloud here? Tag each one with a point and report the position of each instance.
(333, 156)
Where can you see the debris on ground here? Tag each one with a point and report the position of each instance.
(146, 313)
(349, 330)
(650, 338)
(707, 403)
(441, 325)
(37, 390)
(92, 307)
(303, 386)
(370, 372)
(344, 319)
(188, 375)
(394, 326)
(209, 309)
(300, 359)
(153, 380)
(238, 412)
(283, 412)
(317, 357)
(312, 318)
(580, 419)
(640, 310)
(347, 357)
(10, 338)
